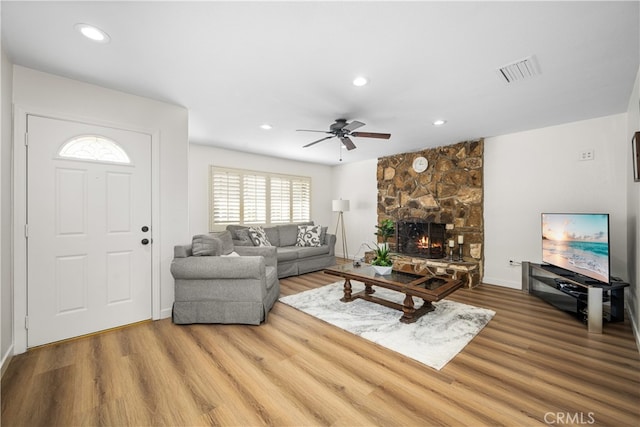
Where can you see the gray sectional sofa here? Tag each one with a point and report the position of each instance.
(292, 259)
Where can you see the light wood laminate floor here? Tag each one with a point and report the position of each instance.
(531, 365)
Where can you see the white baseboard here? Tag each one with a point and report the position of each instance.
(634, 325)
(6, 359)
(501, 282)
(165, 312)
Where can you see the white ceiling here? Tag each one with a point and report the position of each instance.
(237, 65)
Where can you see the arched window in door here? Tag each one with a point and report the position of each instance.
(94, 147)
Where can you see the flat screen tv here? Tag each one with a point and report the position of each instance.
(577, 242)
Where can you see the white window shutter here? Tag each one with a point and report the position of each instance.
(280, 192)
(225, 197)
(247, 197)
(301, 200)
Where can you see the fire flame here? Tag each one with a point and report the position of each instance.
(423, 242)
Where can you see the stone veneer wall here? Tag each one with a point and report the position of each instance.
(450, 191)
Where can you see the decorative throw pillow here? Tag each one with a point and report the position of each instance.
(308, 235)
(243, 234)
(206, 245)
(241, 237)
(238, 232)
(227, 241)
(258, 236)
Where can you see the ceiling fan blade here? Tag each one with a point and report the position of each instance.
(310, 130)
(315, 142)
(347, 143)
(353, 126)
(371, 135)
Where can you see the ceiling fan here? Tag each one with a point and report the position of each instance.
(343, 130)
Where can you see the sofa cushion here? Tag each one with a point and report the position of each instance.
(308, 235)
(227, 241)
(288, 234)
(258, 236)
(312, 251)
(273, 235)
(288, 253)
(240, 235)
(243, 236)
(182, 251)
(206, 245)
(323, 235)
(237, 229)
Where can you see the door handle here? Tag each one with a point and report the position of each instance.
(145, 241)
(145, 229)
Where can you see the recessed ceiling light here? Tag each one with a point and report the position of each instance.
(439, 122)
(360, 81)
(93, 33)
(266, 126)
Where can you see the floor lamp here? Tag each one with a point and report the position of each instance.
(341, 206)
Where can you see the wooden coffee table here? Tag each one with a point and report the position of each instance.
(430, 289)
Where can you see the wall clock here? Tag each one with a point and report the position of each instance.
(420, 164)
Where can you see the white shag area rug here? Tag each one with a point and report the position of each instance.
(434, 339)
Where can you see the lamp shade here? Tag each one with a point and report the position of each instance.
(340, 205)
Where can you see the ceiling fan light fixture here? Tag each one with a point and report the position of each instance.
(93, 33)
(360, 81)
(266, 126)
(343, 130)
(439, 122)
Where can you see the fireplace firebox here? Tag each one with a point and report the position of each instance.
(421, 238)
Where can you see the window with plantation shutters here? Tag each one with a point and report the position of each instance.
(300, 200)
(254, 199)
(249, 197)
(280, 200)
(225, 197)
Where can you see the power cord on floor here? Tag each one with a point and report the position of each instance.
(357, 261)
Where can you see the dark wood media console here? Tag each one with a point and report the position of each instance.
(590, 301)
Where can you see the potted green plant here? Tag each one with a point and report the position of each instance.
(382, 263)
(385, 230)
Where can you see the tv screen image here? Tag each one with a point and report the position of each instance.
(578, 243)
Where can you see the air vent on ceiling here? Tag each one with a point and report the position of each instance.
(520, 70)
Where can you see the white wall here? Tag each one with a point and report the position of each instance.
(357, 183)
(537, 171)
(633, 214)
(201, 157)
(6, 299)
(44, 93)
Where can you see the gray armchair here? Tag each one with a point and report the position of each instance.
(224, 289)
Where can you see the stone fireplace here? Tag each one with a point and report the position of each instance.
(448, 193)
(425, 239)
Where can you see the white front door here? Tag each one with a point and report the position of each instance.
(88, 228)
